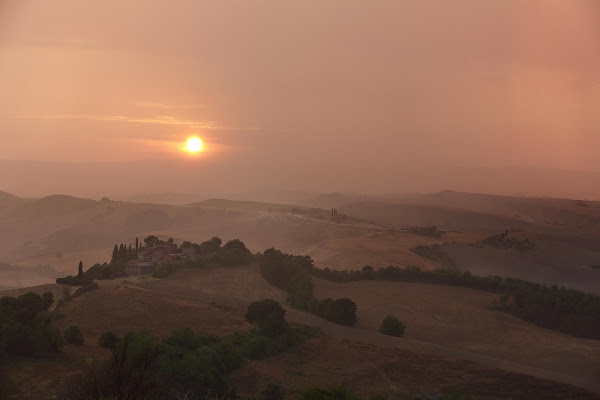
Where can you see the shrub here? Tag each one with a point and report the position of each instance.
(273, 392)
(26, 326)
(258, 311)
(342, 311)
(108, 340)
(73, 335)
(329, 393)
(392, 326)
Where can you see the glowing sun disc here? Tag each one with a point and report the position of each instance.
(194, 145)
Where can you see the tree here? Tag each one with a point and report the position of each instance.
(211, 246)
(108, 340)
(392, 326)
(115, 254)
(258, 311)
(47, 299)
(170, 241)
(73, 335)
(343, 312)
(236, 244)
(151, 241)
(80, 270)
(137, 244)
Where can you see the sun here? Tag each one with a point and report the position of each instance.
(194, 145)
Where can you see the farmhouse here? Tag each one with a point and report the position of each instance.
(149, 258)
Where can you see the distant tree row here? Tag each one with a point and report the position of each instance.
(565, 310)
(232, 253)
(504, 242)
(124, 253)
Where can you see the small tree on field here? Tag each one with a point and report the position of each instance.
(73, 335)
(342, 311)
(80, 269)
(392, 326)
(258, 311)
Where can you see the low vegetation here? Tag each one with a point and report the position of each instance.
(504, 242)
(392, 326)
(185, 365)
(558, 308)
(73, 335)
(26, 326)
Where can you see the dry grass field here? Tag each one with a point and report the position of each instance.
(452, 341)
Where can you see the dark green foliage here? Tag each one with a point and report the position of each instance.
(152, 241)
(328, 393)
(183, 365)
(566, 310)
(258, 311)
(273, 392)
(502, 241)
(236, 244)
(445, 395)
(392, 326)
(341, 311)
(211, 246)
(292, 274)
(165, 270)
(26, 326)
(108, 340)
(434, 253)
(79, 280)
(73, 335)
(104, 271)
(228, 257)
(270, 317)
(74, 281)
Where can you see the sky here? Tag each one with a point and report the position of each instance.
(304, 94)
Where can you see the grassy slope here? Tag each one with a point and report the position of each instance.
(442, 321)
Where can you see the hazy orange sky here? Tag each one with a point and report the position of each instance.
(327, 85)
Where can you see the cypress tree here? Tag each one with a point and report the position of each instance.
(137, 244)
(80, 273)
(115, 254)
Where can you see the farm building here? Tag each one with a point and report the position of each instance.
(150, 257)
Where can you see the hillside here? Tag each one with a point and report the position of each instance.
(453, 339)
(59, 231)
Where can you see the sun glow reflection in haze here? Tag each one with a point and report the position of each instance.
(194, 145)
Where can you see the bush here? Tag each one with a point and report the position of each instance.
(108, 340)
(342, 311)
(259, 311)
(273, 392)
(73, 335)
(392, 326)
(329, 393)
(26, 325)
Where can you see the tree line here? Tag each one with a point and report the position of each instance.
(292, 273)
(562, 309)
